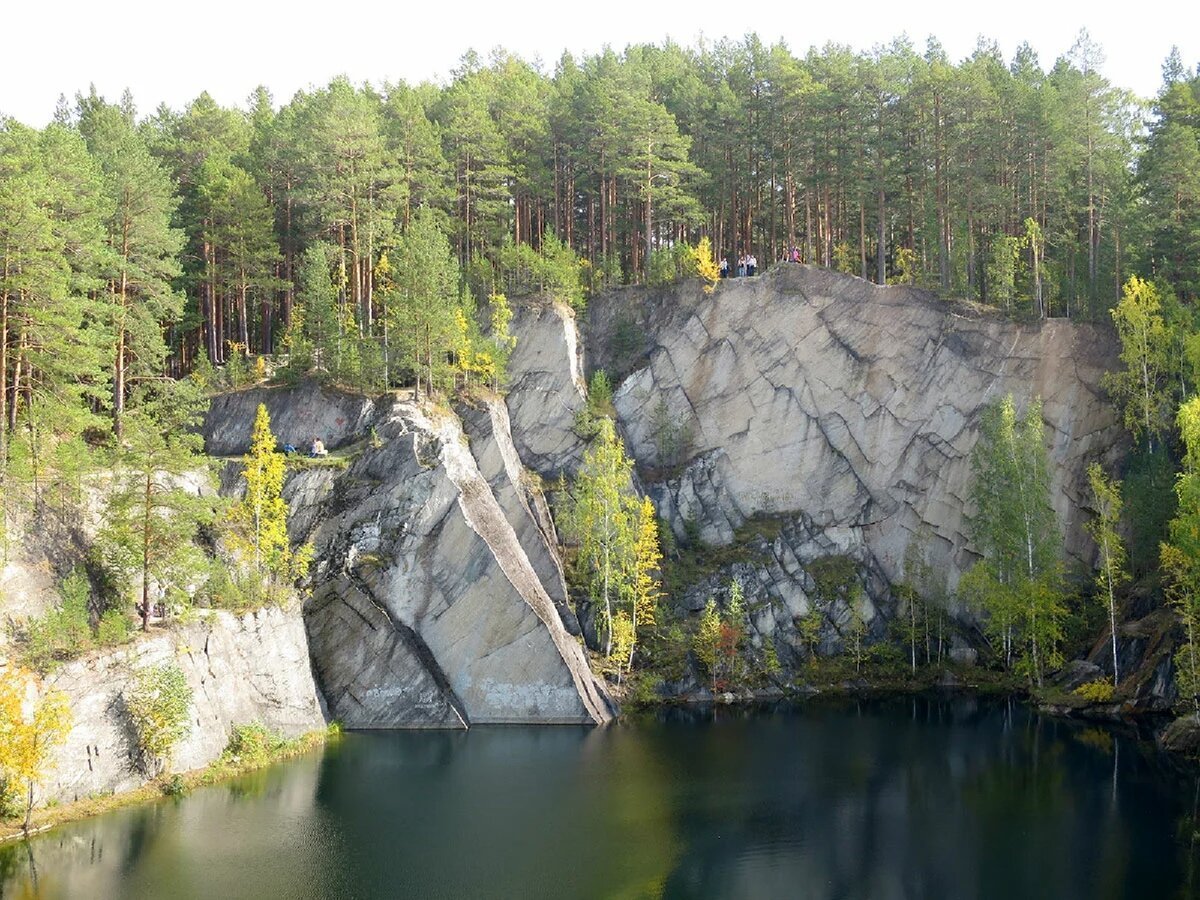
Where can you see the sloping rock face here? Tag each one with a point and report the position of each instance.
(435, 585)
(299, 415)
(242, 669)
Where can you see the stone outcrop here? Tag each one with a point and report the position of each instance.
(845, 410)
(298, 415)
(438, 597)
(779, 565)
(1145, 656)
(242, 670)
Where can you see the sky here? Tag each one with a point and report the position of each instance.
(167, 51)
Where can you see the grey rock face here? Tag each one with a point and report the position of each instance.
(842, 411)
(298, 415)
(242, 669)
(546, 389)
(857, 405)
(433, 600)
(779, 579)
(27, 590)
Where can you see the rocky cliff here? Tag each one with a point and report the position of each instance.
(242, 669)
(839, 413)
(438, 598)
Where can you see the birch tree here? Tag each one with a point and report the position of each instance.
(599, 518)
(1017, 580)
(1181, 557)
(1137, 388)
(1106, 500)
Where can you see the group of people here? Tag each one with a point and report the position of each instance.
(316, 448)
(747, 264)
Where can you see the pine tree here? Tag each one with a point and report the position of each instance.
(144, 247)
(53, 335)
(423, 299)
(151, 521)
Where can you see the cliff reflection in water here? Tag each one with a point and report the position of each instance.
(913, 797)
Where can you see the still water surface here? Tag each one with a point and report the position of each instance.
(920, 798)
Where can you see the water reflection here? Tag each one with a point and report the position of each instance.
(910, 797)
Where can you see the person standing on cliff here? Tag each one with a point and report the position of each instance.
(751, 264)
(724, 267)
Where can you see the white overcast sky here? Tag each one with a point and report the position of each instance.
(170, 51)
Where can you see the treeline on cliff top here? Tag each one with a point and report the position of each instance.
(1001, 180)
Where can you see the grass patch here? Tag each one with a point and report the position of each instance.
(691, 561)
(337, 459)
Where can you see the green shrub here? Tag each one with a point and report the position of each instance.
(253, 744)
(61, 633)
(159, 702)
(175, 786)
(554, 269)
(665, 265)
(1098, 691)
(600, 394)
(644, 690)
(114, 628)
(771, 666)
(888, 658)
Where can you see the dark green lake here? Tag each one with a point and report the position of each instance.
(921, 798)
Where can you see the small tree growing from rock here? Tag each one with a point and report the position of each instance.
(258, 522)
(1106, 499)
(707, 642)
(29, 733)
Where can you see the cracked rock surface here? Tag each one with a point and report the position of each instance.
(546, 389)
(840, 412)
(807, 391)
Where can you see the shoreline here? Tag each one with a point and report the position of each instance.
(175, 784)
(222, 770)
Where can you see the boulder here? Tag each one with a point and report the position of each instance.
(1182, 736)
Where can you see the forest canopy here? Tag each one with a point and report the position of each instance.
(1037, 189)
